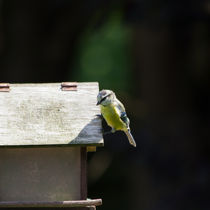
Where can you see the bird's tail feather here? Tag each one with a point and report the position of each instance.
(130, 138)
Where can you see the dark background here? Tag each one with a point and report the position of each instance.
(156, 56)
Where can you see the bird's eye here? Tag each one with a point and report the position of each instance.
(103, 99)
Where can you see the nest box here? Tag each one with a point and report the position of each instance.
(45, 132)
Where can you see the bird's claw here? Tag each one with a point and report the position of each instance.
(99, 115)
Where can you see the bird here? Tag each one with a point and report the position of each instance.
(113, 111)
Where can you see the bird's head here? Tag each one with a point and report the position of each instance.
(105, 97)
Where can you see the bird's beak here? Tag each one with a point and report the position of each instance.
(98, 103)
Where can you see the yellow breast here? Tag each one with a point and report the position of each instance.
(112, 117)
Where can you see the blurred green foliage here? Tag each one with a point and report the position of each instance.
(104, 55)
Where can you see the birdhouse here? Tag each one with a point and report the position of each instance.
(45, 133)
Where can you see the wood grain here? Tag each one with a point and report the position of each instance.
(43, 114)
(76, 203)
(40, 174)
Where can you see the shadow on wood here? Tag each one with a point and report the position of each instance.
(87, 134)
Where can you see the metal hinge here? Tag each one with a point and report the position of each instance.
(4, 87)
(69, 86)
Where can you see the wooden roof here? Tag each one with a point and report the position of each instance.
(43, 114)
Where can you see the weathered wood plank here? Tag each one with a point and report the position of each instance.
(40, 174)
(43, 114)
(53, 204)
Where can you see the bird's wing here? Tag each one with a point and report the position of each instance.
(122, 113)
(120, 106)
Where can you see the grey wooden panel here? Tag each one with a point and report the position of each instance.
(42, 114)
(40, 174)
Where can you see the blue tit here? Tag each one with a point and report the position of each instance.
(114, 113)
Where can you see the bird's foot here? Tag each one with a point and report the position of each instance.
(99, 116)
